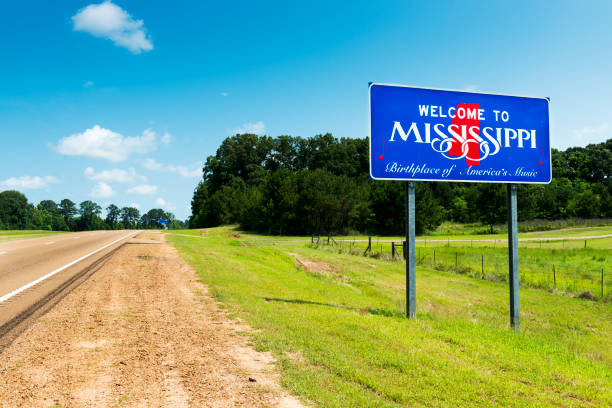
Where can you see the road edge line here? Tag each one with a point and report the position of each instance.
(48, 275)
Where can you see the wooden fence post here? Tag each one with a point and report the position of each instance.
(482, 265)
(368, 250)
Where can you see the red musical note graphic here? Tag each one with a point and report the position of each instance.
(541, 157)
(382, 156)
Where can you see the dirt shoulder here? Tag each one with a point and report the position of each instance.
(140, 332)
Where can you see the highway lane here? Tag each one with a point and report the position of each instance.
(31, 269)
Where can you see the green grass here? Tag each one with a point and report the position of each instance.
(577, 268)
(10, 235)
(564, 267)
(573, 271)
(341, 339)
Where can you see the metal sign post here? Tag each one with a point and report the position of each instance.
(425, 134)
(513, 269)
(410, 259)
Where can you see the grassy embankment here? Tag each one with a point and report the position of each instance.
(9, 235)
(335, 323)
(553, 260)
(567, 267)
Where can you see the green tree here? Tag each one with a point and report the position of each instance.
(42, 219)
(150, 220)
(89, 216)
(49, 205)
(68, 210)
(15, 211)
(490, 204)
(296, 185)
(112, 216)
(130, 217)
(48, 216)
(584, 203)
(226, 205)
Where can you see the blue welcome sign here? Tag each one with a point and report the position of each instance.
(425, 134)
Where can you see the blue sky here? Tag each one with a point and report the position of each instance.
(122, 103)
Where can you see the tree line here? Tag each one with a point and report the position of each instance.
(295, 185)
(16, 213)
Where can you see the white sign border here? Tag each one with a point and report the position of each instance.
(448, 180)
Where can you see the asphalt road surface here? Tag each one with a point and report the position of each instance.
(34, 272)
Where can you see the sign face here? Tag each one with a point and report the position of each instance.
(438, 135)
(163, 221)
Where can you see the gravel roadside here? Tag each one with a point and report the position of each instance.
(141, 332)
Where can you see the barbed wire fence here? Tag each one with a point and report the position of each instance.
(487, 262)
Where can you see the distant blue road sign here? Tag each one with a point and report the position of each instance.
(438, 135)
(163, 221)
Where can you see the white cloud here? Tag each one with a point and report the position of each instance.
(143, 189)
(135, 205)
(27, 183)
(88, 84)
(161, 203)
(107, 20)
(153, 165)
(166, 138)
(103, 143)
(587, 133)
(224, 94)
(116, 175)
(257, 128)
(102, 190)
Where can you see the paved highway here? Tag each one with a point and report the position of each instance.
(34, 271)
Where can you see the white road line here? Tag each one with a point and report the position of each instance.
(50, 274)
(50, 243)
(3, 252)
(76, 237)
